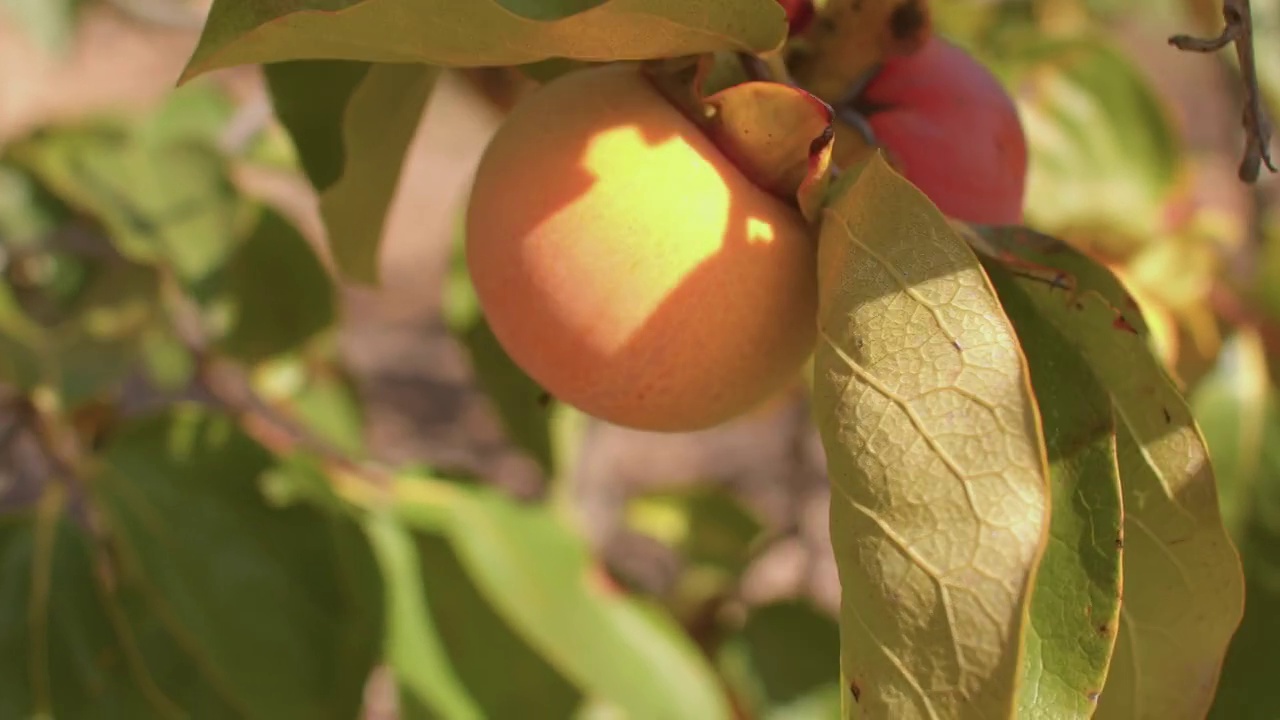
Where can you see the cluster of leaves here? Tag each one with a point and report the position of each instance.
(1024, 516)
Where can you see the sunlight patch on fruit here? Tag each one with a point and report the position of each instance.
(937, 464)
(654, 159)
(759, 231)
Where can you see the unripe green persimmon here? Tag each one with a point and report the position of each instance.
(628, 266)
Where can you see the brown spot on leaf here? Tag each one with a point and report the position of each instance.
(1122, 324)
(1104, 629)
(855, 690)
(1168, 419)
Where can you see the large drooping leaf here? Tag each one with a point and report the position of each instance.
(279, 609)
(537, 575)
(1076, 603)
(352, 123)
(72, 647)
(1103, 150)
(481, 32)
(477, 639)
(1180, 569)
(1237, 407)
(939, 507)
(414, 648)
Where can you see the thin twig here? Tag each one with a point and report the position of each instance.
(770, 68)
(227, 385)
(755, 68)
(1257, 125)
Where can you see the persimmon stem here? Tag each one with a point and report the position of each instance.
(771, 68)
(755, 67)
(1257, 125)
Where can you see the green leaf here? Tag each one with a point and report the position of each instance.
(705, 524)
(28, 211)
(477, 638)
(1234, 405)
(170, 365)
(939, 509)
(481, 32)
(352, 123)
(1180, 569)
(198, 112)
(69, 646)
(1238, 409)
(97, 346)
(537, 576)
(1069, 650)
(415, 650)
(714, 535)
(785, 663)
(23, 344)
(1104, 153)
(318, 394)
(170, 203)
(276, 292)
(280, 609)
(88, 347)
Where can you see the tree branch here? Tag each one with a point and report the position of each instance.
(1257, 125)
(229, 387)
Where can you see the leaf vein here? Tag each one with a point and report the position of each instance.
(912, 417)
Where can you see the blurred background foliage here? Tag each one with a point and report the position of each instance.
(187, 394)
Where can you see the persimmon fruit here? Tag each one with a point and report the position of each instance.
(800, 15)
(952, 130)
(628, 266)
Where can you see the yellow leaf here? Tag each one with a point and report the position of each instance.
(939, 506)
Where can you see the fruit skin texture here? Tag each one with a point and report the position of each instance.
(629, 267)
(952, 130)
